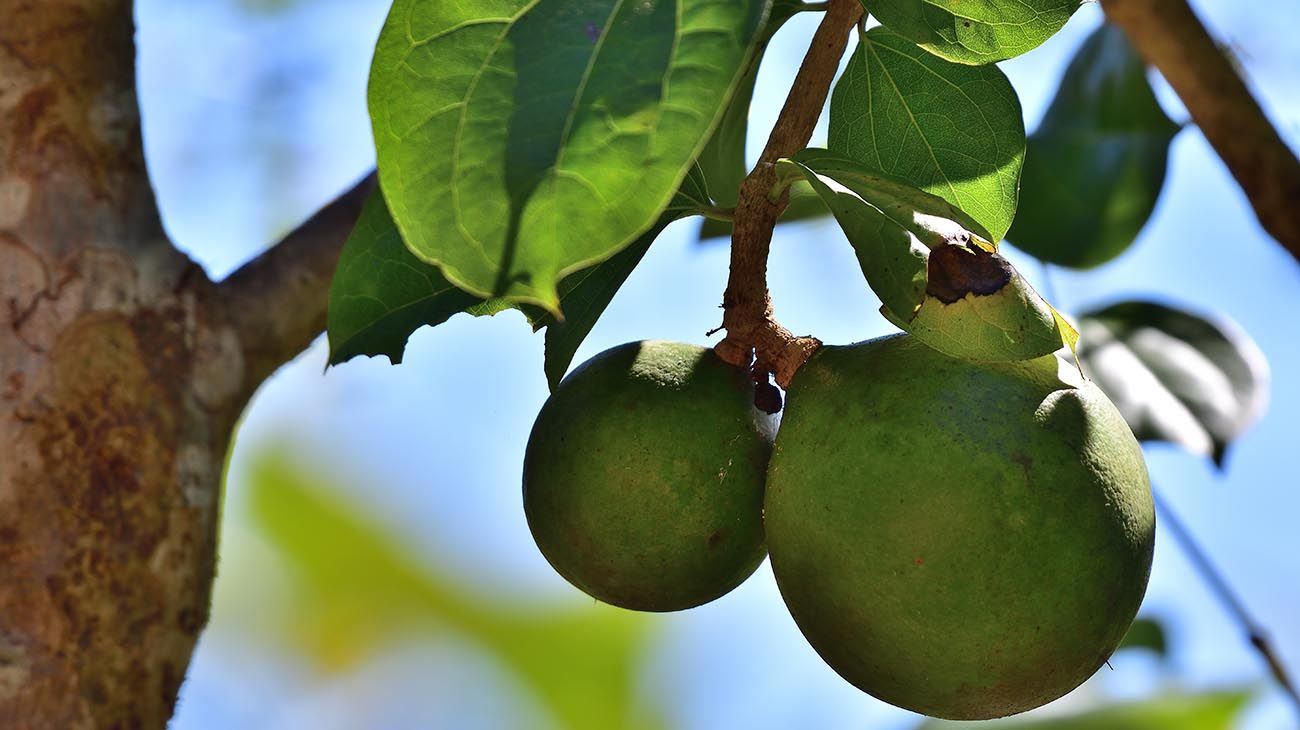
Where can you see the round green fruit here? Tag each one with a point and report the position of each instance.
(965, 540)
(643, 478)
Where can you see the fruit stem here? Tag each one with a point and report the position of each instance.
(1255, 633)
(753, 334)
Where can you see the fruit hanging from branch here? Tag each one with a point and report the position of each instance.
(966, 540)
(643, 478)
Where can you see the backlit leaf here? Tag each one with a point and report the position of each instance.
(1174, 375)
(519, 142)
(951, 130)
(974, 31)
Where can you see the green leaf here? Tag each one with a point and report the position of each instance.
(381, 293)
(1096, 164)
(951, 130)
(1212, 711)
(974, 31)
(723, 158)
(934, 278)
(519, 142)
(1174, 375)
(1148, 634)
(358, 590)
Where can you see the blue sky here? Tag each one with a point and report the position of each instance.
(253, 121)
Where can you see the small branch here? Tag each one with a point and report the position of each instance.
(1219, 586)
(277, 300)
(1169, 36)
(752, 332)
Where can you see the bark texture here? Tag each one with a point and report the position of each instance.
(118, 389)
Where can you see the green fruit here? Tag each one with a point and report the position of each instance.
(643, 478)
(965, 540)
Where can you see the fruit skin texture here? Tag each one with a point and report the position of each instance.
(963, 540)
(643, 478)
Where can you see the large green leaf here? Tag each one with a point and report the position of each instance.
(521, 141)
(357, 590)
(381, 293)
(1095, 166)
(1212, 711)
(1175, 376)
(935, 279)
(951, 130)
(974, 31)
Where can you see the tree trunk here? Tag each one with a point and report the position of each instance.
(118, 389)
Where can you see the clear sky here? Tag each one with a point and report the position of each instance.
(254, 119)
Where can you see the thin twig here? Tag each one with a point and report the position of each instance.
(1256, 634)
(277, 300)
(1170, 37)
(752, 331)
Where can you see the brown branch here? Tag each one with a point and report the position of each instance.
(277, 300)
(1170, 37)
(752, 331)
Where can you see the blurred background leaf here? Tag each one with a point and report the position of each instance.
(1194, 712)
(1146, 633)
(1095, 165)
(354, 589)
(1175, 376)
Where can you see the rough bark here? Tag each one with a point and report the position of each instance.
(120, 381)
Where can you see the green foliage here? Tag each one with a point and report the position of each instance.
(529, 153)
(951, 130)
(1176, 376)
(381, 293)
(519, 142)
(896, 230)
(356, 589)
(723, 159)
(1096, 163)
(1146, 634)
(1213, 711)
(974, 31)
